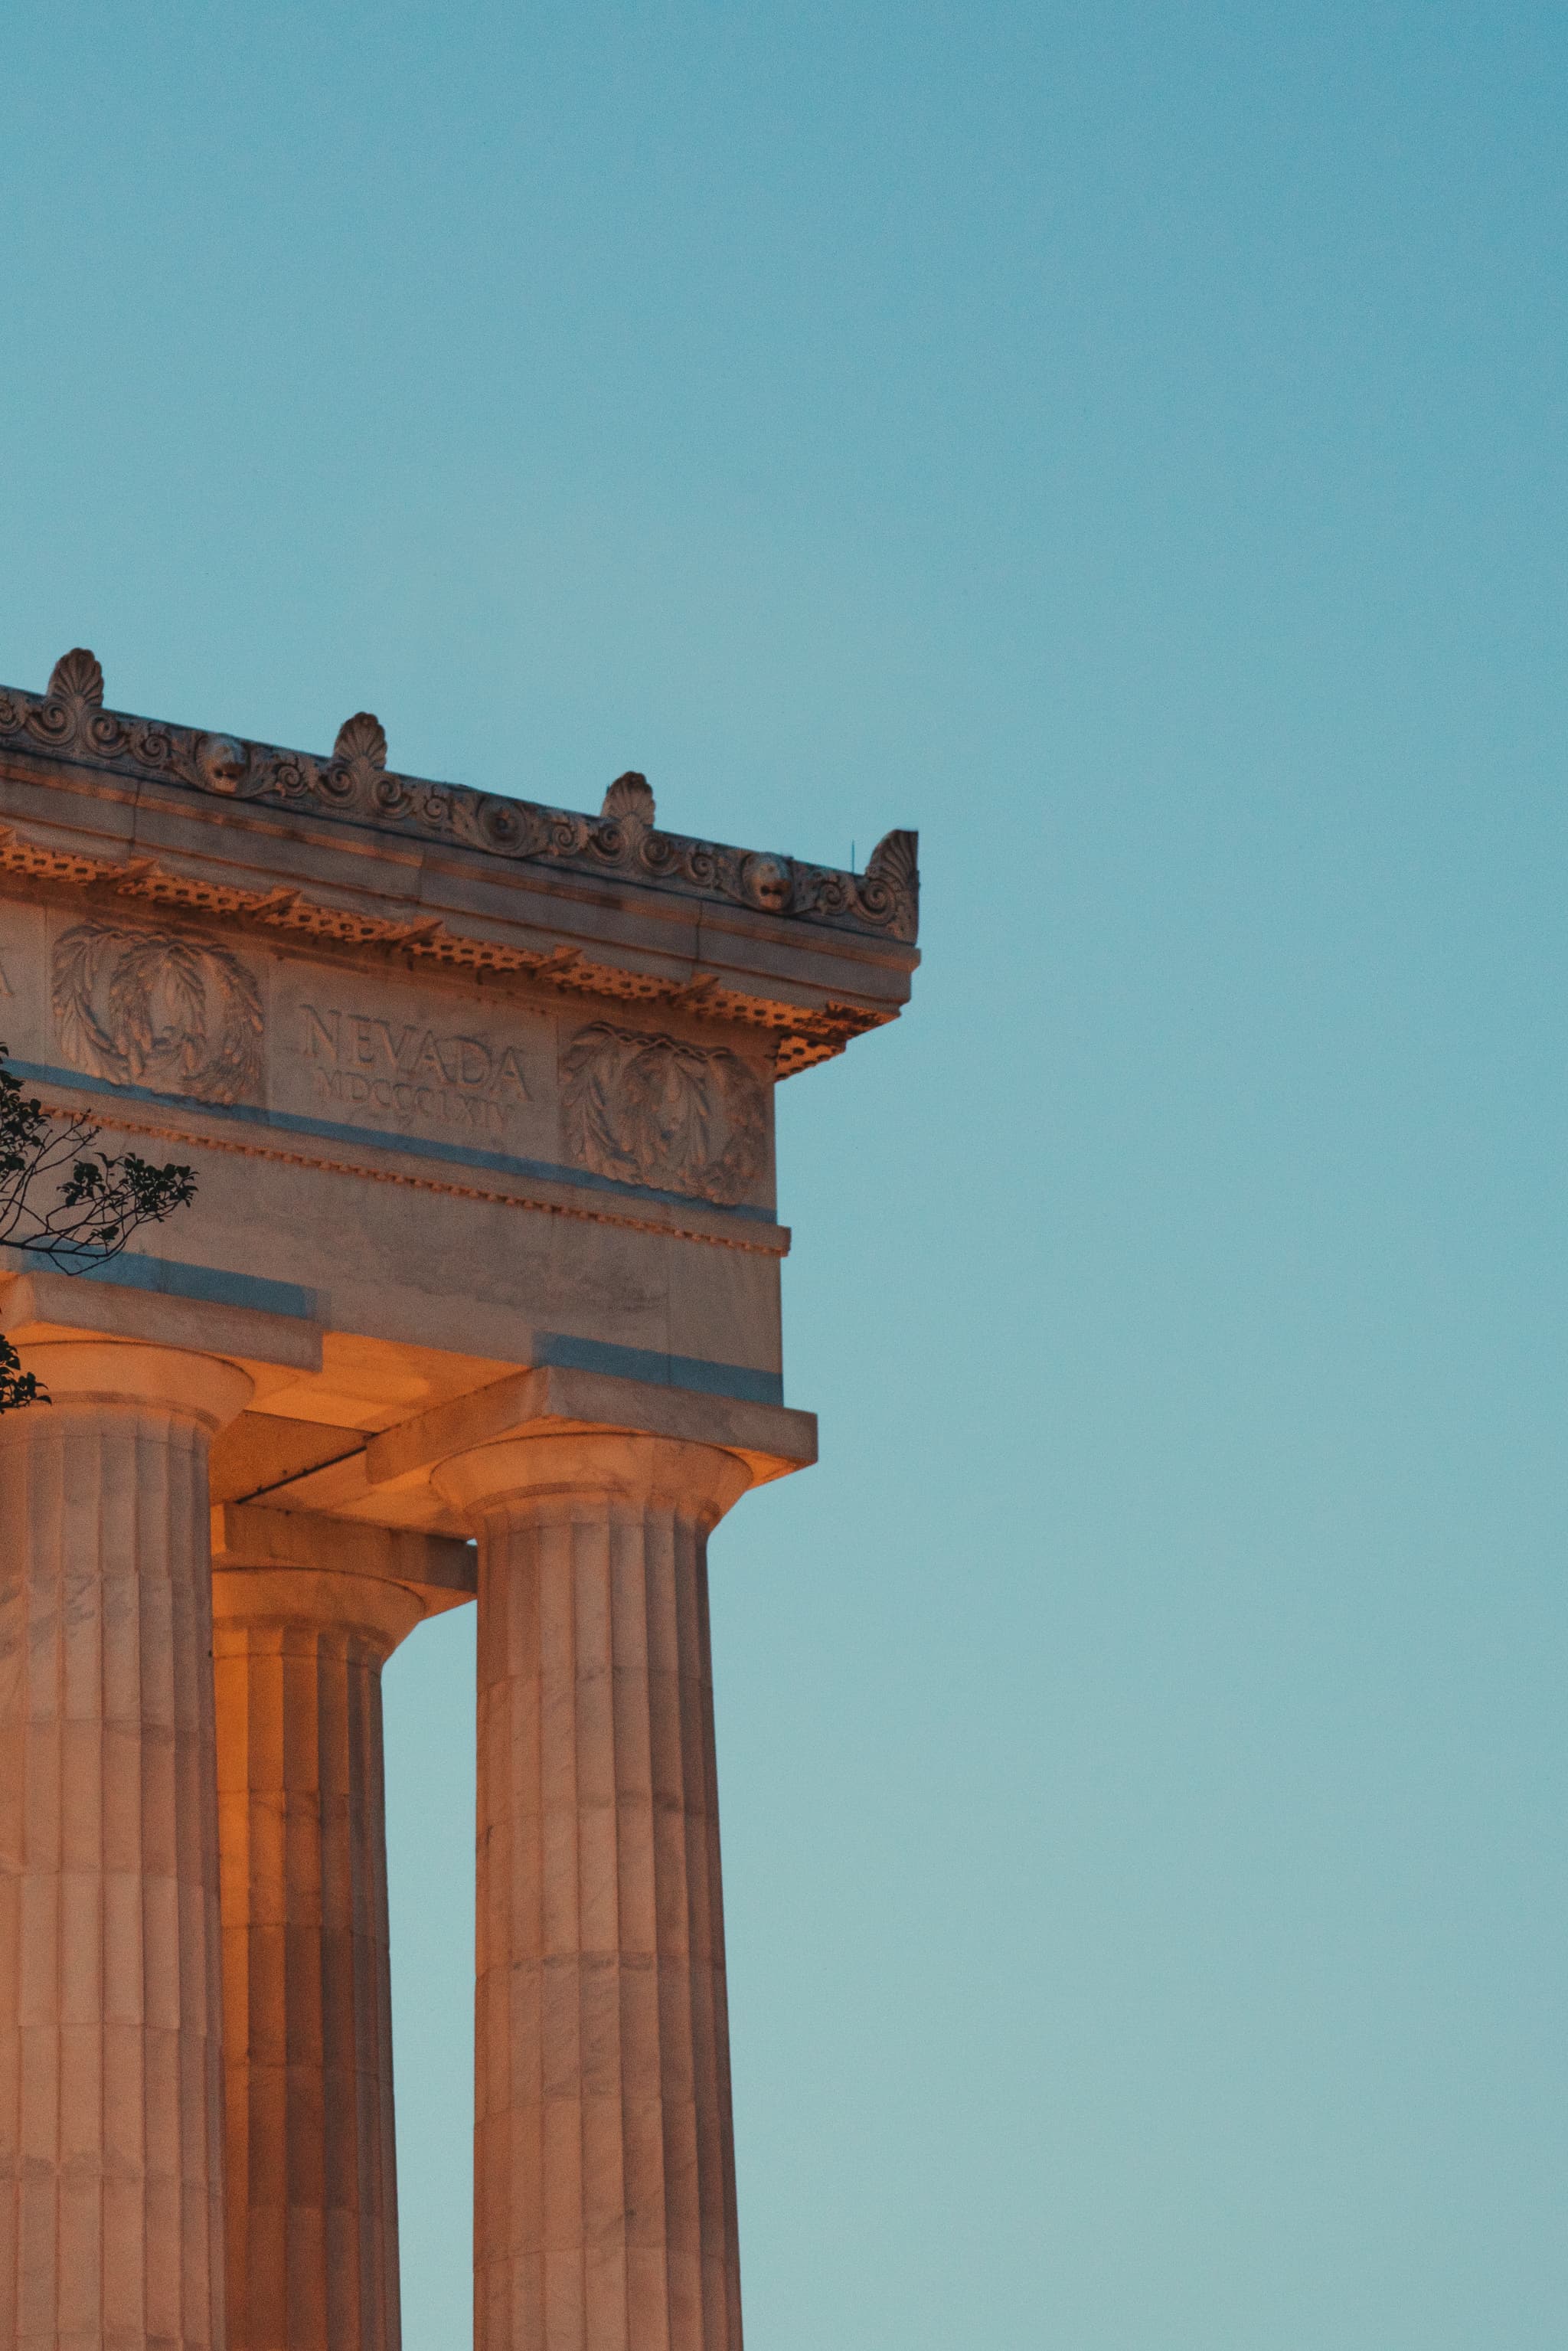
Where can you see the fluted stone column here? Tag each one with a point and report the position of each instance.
(312, 2187)
(604, 2212)
(110, 2089)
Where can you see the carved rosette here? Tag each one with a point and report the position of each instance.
(159, 1009)
(654, 1110)
(70, 722)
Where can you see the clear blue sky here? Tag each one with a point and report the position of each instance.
(1126, 441)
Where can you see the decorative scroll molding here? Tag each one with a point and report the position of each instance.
(70, 722)
(658, 1110)
(801, 1037)
(158, 1008)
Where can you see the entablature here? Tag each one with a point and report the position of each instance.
(345, 854)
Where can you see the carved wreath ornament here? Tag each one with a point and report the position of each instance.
(656, 1111)
(155, 1008)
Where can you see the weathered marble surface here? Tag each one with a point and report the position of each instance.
(110, 2103)
(604, 2158)
(355, 786)
(479, 1097)
(306, 1613)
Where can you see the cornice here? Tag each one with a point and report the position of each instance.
(801, 1035)
(354, 787)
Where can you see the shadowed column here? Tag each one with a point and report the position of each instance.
(307, 1611)
(604, 2199)
(110, 2129)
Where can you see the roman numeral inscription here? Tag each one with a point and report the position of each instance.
(360, 1061)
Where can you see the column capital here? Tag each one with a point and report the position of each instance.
(49, 1309)
(250, 1535)
(302, 1568)
(205, 1389)
(610, 1465)
(764, 1441)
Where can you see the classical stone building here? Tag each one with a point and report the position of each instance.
(479, 1300)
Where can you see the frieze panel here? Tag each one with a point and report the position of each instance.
(155, 1008)
(70, 722)
(388, 1067)
(656, 1110)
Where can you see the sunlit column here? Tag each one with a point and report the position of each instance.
(312, 2188)
(110, 2080)
(604, 2157)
